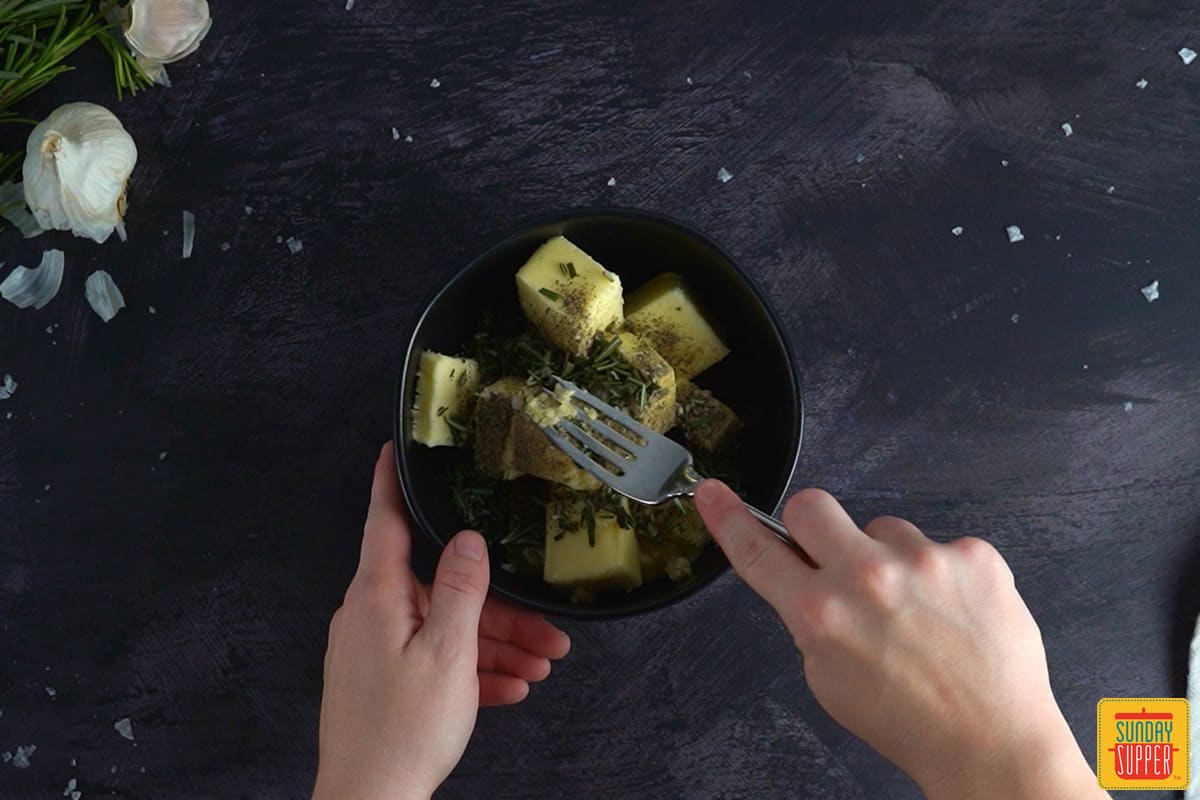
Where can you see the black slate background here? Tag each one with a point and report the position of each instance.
(192, 593)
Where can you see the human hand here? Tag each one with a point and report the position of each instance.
(926, 651)
(409, 665)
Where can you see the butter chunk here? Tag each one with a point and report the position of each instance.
(664, 313)
(707, 423)
(445, 390)
(568, 296)
(509, 444)
(607, 560)
(658, 411)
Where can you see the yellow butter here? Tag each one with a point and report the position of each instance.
(568, 296)
(572, 561)
(664, 313)
(445, 390)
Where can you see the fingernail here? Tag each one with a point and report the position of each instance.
(469, 545)
(384, 446)
(706, 493)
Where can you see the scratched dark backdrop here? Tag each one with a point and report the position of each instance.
(973, 385)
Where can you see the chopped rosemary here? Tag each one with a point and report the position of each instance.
(550, 293)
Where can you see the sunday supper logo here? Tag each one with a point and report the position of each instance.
(1142, 743)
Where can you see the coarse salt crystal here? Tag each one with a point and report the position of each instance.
(1067, 129)
(408, 139)
(162, 456)
(395, 135)
(435, 83)
(294, 244)
(1015, 318)
(612, 181)
(124, 727)
(20, 759)
(225, 247)
(1004, 163)
(1014, 233)
(1142, 83)
(957, 230)
(8, 388)
(724, 175)
(1150, 291)
(349, 5)
(860, 158)
(153, 310)
(689, 81)
(1187, 54)
(1110, 190)
(1128, 405)
(71, 784)
(50, 690)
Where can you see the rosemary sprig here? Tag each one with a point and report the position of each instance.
(37, 37)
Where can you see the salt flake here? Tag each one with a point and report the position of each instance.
(395, 135)
(349, 5)
(612, 181)
(20, 759)
(1128, 406)
(70, 788)
(1014, 233)
(1151, 291)
(1067, 129)
(724, 175)
(162, 456)
(1142, 83)
(957, 230)
(1187, 54)
(75, 795)
(124, 727)
(408, 139)
(435, 83)
(50, 690)
(8, 388)
(1015, 318)
(294, 244)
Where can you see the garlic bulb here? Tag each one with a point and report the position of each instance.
(165, 31)
(77, 164)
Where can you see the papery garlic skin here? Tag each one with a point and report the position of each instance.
(164, 31)
(77, 165)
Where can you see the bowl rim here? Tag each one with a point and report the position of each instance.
(514, 233)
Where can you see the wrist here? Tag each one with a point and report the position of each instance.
(1046, 765)
(360, 787)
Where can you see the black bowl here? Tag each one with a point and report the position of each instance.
(758, 379)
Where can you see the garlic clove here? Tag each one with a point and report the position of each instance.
(77, 166)
(35, 287)
(12, 208)
(167, 31)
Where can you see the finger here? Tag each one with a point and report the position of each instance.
(525, 629)
(386, 540)
(822, 527)
(456, 597)
(503, 658)
(770, 567)
(501, 690)
(896, 532)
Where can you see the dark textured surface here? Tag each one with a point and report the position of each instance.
(192, 593)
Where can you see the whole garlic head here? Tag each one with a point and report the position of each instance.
(165, 31)
(77, 164)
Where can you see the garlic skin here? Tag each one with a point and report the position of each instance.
(77, 165)
(165, 31)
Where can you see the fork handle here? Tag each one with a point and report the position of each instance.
(774, 525)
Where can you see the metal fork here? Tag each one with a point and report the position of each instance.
(650, 471)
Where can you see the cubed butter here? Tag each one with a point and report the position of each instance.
(445, 391)
(707, 423)
(568, 296)
(574, 560)
(665, 314)
(509, 444)
(658, 411)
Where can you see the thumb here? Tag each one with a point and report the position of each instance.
(459, 589)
